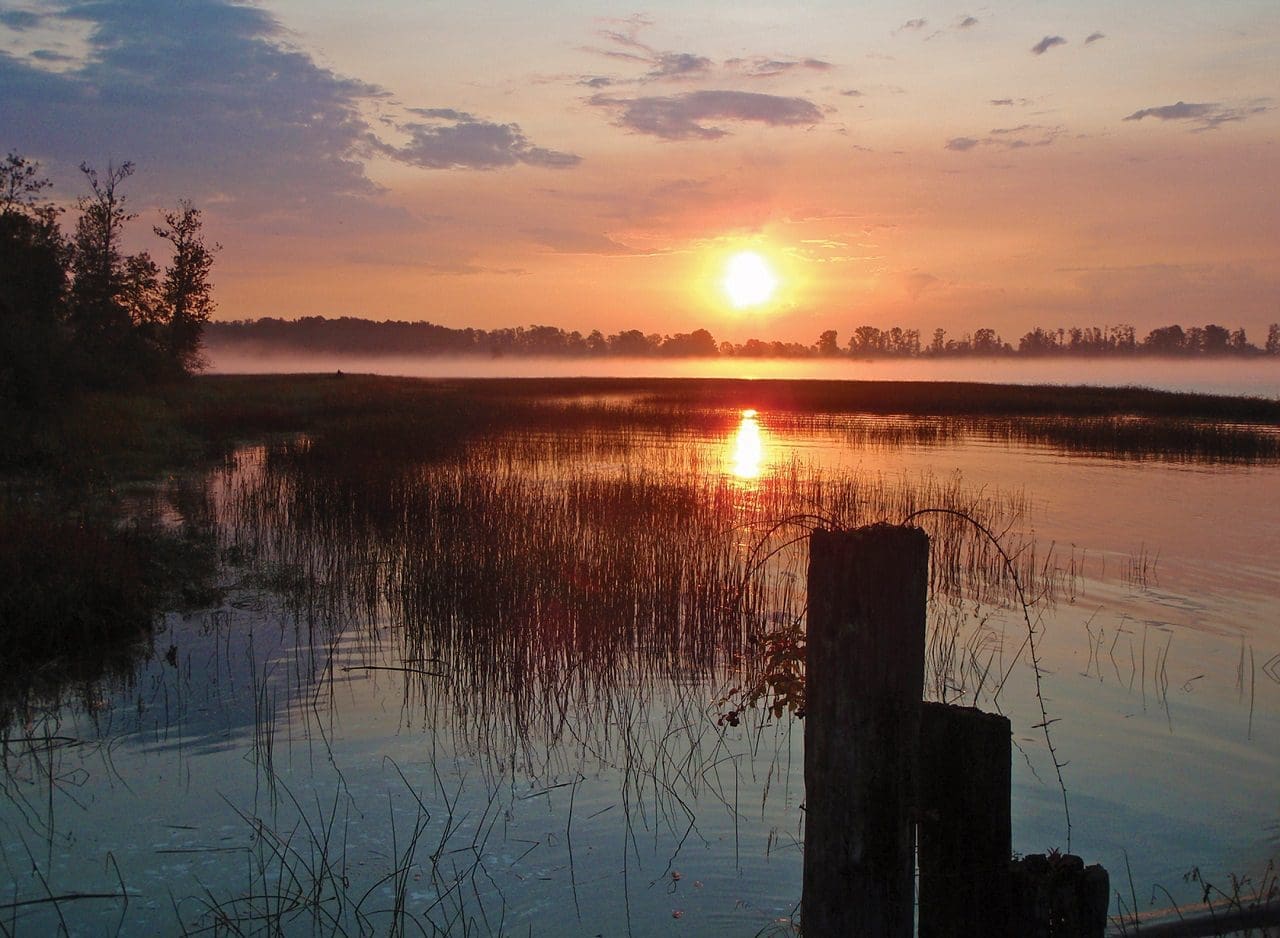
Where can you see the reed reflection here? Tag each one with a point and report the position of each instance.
(747, 457)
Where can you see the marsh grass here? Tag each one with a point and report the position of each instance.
(368, 418)
(535, 576)
(80, 596)
(564, 572)
(1244, 905)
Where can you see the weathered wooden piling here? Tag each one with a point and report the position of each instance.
(1057, 896)
(865, 672)
(965, 829)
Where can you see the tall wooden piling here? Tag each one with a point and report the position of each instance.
(965, 832)
(865, 673)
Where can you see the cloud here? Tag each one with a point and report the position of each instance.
(967, 23)
(20, 20)
(918, 282)
(1008, 138)
(915, 24)
(214, 102)
(682, 117)
(761, 67)
(566, 241)
(663, 65)
(852, 93)
(49, 55)
(678, 65)
(1047, 43)
(456, 140)
(1205, 115)
(1094, 37)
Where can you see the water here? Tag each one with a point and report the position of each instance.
(1258, 377)
(338, 742)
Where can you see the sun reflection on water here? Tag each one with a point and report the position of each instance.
(747, 456)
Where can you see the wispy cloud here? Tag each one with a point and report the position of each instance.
(678, 65)
(569, 241)
(967, 23)
(1205, 115)
(452, 139)
(918, 282)
(763, 67)
(1047, 43)
(912, 25)
(625, 45)
(20, 20)
(1008, 138)
(1094, 37)
(687, 116)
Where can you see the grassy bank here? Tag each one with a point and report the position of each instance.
(114, 437)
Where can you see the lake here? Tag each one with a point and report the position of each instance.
(1249, 376)
(476, 683)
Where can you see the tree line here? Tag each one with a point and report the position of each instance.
(355, 336)
(76, 310)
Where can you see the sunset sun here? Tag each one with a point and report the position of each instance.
(749, 280)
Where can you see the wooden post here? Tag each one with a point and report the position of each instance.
(965, 833)
(865, 675)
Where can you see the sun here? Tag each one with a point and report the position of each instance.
(749, 280)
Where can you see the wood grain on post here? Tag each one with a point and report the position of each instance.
(966, 836)
(865, 675)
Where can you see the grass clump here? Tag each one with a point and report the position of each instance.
(79, 597)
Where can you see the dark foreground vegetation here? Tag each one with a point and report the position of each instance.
(76, 311)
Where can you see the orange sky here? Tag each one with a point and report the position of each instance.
(1006, 166)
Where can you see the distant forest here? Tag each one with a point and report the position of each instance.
(353, 336)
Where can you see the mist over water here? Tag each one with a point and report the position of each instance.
(1258, 377)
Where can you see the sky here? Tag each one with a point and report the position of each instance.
(493, 164)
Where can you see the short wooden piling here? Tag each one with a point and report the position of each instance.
(965, 828)
(865, 672)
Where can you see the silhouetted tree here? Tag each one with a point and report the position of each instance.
(1167, 340)
(33, 285)
(1273, 339)
(828, 344)
(697, 344)
(185, 292)
(1214, 339)
(111, 293)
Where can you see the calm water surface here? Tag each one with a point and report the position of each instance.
(1259, 377)
(292, 747)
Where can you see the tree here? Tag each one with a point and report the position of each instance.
(866, 340)
(186, 293)
(1167, 340)
(987, 342)
(101, 320)
(1215, 339)
(1273, 339)
(33, 285)
(828, 344)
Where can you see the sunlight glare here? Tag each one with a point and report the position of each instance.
(748, 280)
(748, 447)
